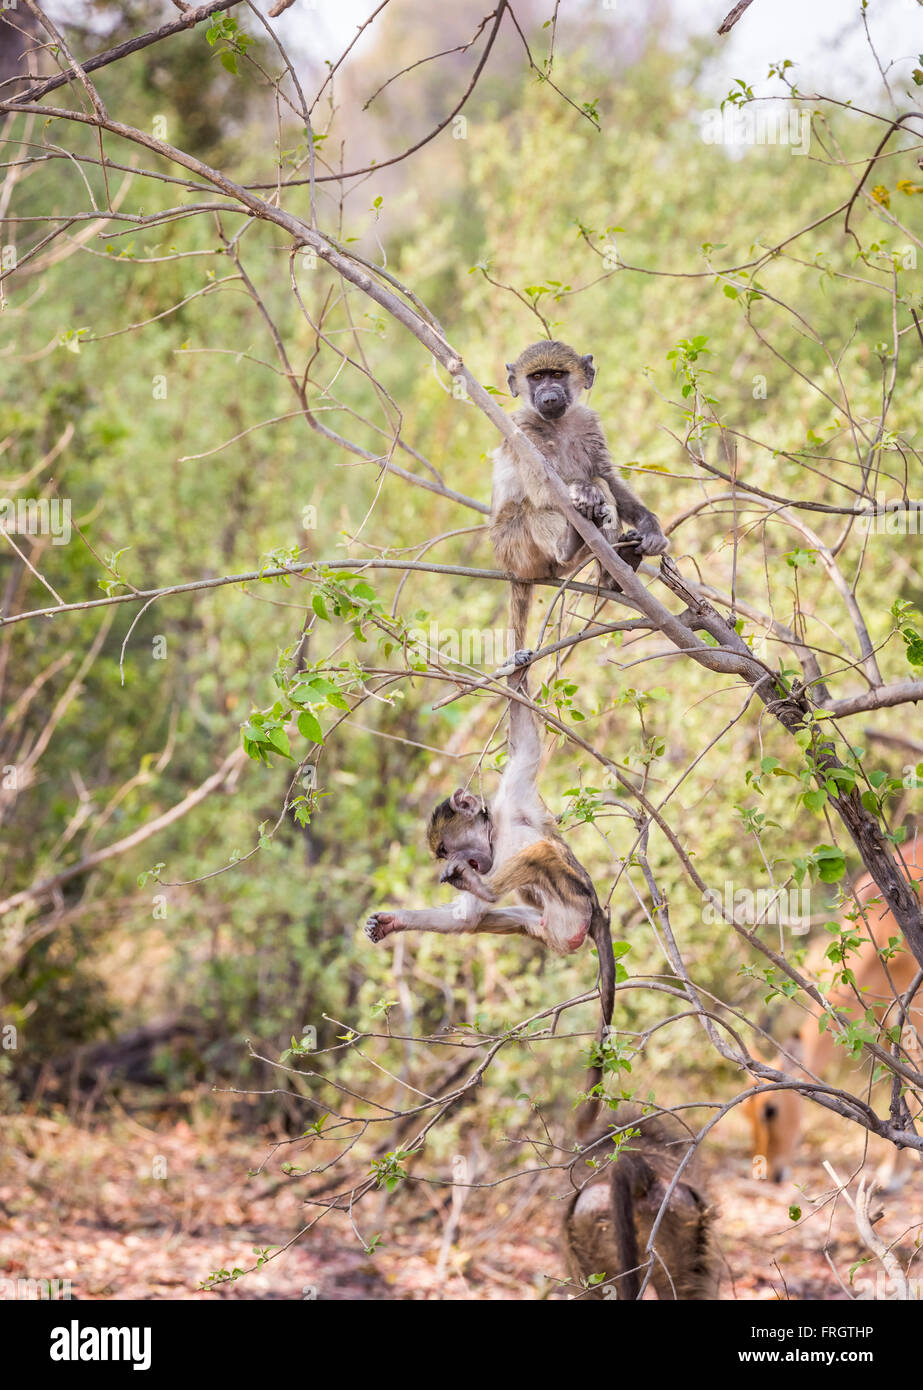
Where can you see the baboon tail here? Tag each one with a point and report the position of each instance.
(602, 939)
(588, 1111)
(623, 1225)
(520, 603)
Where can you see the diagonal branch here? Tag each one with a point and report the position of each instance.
(37, 891)
(121, 50)
(727, 24)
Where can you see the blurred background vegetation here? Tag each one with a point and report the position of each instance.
(528, 198)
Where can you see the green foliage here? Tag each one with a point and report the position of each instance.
(226, 32)
(389, 1171)
(902, 611)
(269, 881)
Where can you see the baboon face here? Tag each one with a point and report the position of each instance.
(549, 390)
(460, 834)
(550, 375)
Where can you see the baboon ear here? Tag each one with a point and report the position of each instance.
(511, 378)
(589, 371)
(464, 802)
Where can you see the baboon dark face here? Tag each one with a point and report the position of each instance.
(550, 392)
(550, 375)
(460, 833)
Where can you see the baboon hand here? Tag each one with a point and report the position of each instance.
(591, 502)
(380, 925)
(653, 541)
(523, 658)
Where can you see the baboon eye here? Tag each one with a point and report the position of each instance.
(440, 852)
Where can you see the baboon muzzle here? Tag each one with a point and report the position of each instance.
(551, 401)
(465, 874)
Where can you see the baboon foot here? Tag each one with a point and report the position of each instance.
(629, 547)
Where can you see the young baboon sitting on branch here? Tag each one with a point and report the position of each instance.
(532, 539)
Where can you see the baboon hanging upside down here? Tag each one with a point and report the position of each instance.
(510, 845)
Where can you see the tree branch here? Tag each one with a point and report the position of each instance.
(230, 765)
(121, 50)
(727, 24)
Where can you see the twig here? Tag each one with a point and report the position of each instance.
(727, 24)
(122, 50)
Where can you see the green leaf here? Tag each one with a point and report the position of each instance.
(279, 740)
(320, 608)
(309, 727)
(228, 60)
(831, 863)
(322, 685)
(253, 733)
(799, 559)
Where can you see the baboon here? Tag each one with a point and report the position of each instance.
(531, 537)
(512, 845)
(608, 1222)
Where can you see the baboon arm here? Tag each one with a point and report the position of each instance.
(632, 511)
(465, 914)
(462, 914)
(523, 920)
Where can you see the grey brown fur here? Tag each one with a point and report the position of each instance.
(532, 539)
(511, 847)
(608, 1222)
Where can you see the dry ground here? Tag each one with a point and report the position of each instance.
(81, 1204)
